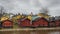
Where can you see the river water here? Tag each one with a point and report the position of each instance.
(32, 32)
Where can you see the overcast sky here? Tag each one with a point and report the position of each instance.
(28, 6)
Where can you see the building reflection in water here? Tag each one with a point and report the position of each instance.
(31, 32)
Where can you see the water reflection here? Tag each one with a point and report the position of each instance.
(32, 32)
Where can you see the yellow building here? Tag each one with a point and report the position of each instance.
(29, 17)
(4, 18)
(43, 15)
(18, 16)
(47, 16)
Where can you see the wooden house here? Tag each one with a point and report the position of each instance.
(24, 22)
(7, 24)
(52, 22)
(57, 23)
(40, 22)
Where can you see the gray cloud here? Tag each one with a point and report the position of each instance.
(53, 6)
(28, 6)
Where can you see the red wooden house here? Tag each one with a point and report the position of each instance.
(7, 24)
(57, 23)
(35, 24)
(52, 24)
(25, 22)
(40, 22)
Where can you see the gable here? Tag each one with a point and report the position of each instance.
(43, 19)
